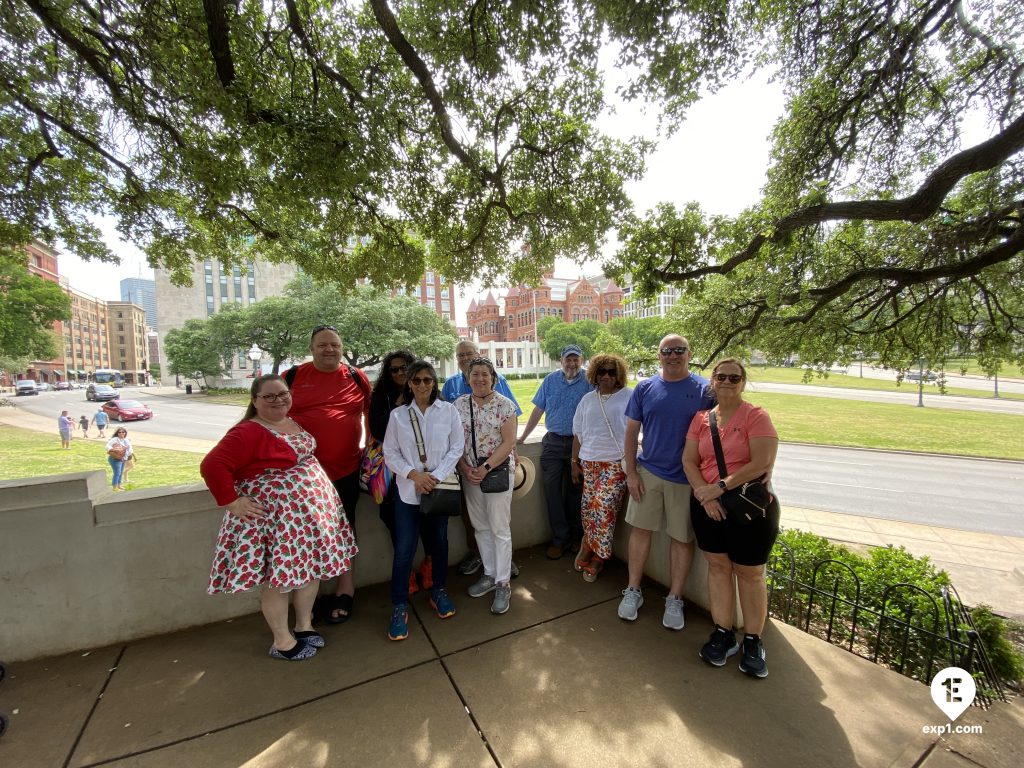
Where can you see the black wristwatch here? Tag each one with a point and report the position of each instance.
(721, 484)
(487, 466)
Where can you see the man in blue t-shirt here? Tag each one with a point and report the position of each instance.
(558, 396)
(100, 420)
(662, 407)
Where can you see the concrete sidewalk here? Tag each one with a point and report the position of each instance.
(558, 681)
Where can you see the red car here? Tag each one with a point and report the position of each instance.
(127, 410)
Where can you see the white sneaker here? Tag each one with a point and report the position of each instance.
(632, 599)
(673, 617)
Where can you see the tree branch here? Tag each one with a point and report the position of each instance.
(219, 34)
(295, 23)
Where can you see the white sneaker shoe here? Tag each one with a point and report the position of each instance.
(632, 599)
(673, 617)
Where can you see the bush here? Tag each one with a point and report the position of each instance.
(1007, 660)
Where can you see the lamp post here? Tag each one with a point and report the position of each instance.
(255, 353)
(920, 383)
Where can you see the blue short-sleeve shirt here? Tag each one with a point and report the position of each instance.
(665, 410)
(558, 398)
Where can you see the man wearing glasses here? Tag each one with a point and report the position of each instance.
(454, 388)
(558, 396)
(659, 495)
(331, 401)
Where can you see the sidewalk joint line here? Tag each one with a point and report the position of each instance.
(95, 704)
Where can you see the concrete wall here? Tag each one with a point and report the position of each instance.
(81, 567)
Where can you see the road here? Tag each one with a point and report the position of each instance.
(969, 494)
(932, 399)
(984, 384)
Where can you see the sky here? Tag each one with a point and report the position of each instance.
(718, 158)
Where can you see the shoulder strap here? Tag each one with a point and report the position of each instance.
(472, 430)
(419, 437)
(717, 442)
(363, 385)
(289, 375)
(611, 431)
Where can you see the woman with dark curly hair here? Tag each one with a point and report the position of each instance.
(598, 435)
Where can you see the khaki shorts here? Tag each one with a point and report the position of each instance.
(665, 506)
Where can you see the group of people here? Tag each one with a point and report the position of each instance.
(66, 426)
(288, 477)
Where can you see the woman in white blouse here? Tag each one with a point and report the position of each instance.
(598, 434)
(441, 430)
(119, 450)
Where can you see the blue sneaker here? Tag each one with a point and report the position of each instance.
(441, 603)
(399, 629)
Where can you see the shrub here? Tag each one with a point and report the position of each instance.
(994, 630)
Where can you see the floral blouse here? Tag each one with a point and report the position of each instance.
(488, 420)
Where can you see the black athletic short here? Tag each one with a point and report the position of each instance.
(748, 544)
(348, 489)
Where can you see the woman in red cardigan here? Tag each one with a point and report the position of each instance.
(281, 527)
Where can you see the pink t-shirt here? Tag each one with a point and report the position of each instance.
(748, 421)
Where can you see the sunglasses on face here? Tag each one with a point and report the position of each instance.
(732, 378)
(421, 380)
(606, 372)
(666, 351)
(397, 369)
(273, 397)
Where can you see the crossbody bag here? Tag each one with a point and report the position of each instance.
(444, 500)
(745, 503)
(498, 479)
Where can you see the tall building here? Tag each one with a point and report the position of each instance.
(656, 307)
(141, 291)
(571, 300)
(434, 292)
(126, 339)
(42, 262)
(212, 288)
(85, 337)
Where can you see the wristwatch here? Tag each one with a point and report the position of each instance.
(487, 466)
(721, 484)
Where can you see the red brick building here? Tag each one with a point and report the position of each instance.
(569, 300)
(42, 262)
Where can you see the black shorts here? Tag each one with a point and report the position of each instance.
(348, 489)
(745, 544)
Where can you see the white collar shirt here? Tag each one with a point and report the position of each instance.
(442, 438)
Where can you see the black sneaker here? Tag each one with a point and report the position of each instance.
(719, 647)
(753, 662)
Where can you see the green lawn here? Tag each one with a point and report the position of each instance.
(24, 453)
(851, 380)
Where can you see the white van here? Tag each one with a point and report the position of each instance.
(25, 387)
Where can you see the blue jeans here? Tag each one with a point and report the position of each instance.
(118, 466)
(563, 497)
(408, 524)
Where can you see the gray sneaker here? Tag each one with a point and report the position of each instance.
(470, 564)
(515, 570)
(632, 599)
(502, 595)
(481, 586)
(673, 618)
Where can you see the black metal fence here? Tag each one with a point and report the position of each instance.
(905, 628)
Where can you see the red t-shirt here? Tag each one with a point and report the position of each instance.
(330, 406)
(748, 421)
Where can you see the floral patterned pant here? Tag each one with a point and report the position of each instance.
(604, 488)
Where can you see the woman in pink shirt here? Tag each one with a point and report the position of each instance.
(282, 530)
(733, 548)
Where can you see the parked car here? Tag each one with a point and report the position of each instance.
(101, 392)
(25, 387)
(42, 386)
(915, 375)
(60, 386)
(127, 410)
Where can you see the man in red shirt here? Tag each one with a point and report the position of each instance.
(331, 402)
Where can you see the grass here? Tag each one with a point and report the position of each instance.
(854, 423)
(25, 453)
(852, 381)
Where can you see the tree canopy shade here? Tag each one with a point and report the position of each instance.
(382, 138)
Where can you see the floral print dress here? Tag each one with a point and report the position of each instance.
(303, 538)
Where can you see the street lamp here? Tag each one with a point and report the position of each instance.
(255, 353)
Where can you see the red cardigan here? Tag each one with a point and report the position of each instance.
(244, 452)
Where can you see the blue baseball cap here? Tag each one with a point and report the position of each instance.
(571, 349)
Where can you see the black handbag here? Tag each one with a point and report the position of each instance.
(498, 479)
(746, 503)
(446, 498)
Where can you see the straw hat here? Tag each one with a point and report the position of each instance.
(526, 473)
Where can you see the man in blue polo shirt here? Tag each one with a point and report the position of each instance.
(659, 496)
(558, 396)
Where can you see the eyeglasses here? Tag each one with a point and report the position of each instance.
(319, 328)
(273, 397)
(463, 355)
(732, 378)
(666, 351)
(606, 372)
(420, 380)
(397, 369)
